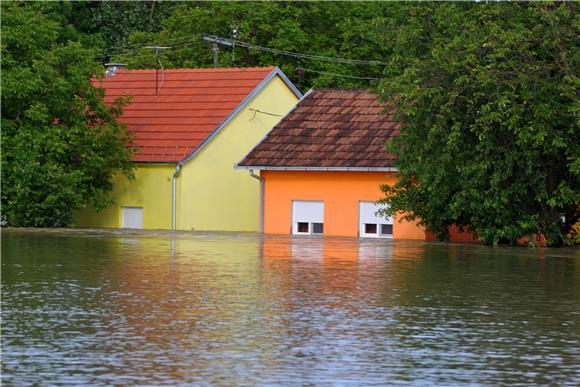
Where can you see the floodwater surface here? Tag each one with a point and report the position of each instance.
(129, 308)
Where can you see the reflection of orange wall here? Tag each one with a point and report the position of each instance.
(341, 193)
(455, 236)
(541, 242)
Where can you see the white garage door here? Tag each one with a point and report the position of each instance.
(132, 217)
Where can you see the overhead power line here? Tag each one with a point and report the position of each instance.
(138, 45)
(230, 42)
(178, 47)
(336, 74)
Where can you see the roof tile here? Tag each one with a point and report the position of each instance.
(329, 128)
(191, 104)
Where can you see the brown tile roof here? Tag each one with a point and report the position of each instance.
(329, 128)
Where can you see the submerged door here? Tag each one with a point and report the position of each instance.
(132, 217)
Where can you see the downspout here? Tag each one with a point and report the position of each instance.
(261, 179)
(174, 196)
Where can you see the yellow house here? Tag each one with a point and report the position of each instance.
(191, 127)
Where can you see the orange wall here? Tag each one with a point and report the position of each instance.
(341, 193)
(455, 236)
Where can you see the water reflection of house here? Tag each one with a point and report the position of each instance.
(322, 166)
(201, 294)
(333, 270)
(191, 127)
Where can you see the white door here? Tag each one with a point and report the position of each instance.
(307, 217)
(372, 225)
(132, 217)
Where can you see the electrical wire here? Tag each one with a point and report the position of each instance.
(267, 113)
(337, 74)
(139, 45)
(135, 50)
(162, 74)
(187, 43)
(298, 54)
(190, 44)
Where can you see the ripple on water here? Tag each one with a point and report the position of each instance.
(111, 307)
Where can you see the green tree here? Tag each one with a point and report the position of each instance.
(488, 97)
(114, 21)
(61, 144)
(347, 30)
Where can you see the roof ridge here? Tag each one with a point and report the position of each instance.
(342, 89)
(200, 69)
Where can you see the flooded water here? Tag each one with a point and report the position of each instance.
(106, 308)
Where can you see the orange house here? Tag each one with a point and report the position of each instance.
(322, 166)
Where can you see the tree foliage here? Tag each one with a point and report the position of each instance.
(487, 93)
(488, 97)
(60, 142)
(346, 30)
(115, 21)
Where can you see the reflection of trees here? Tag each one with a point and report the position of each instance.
(52, 268)
(225, 308)
(472, 306)
(464, 275)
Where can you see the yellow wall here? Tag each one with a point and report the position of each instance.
(213, 196)
(151, 190)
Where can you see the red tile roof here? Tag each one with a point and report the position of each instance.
(191, 104)
(329, 129)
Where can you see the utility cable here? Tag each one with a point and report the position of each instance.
(267, 113)
(276, 51)
(337, 74)
(157, 52)
(135, 50)
(174, 47)
(138, 45)
(162, 74)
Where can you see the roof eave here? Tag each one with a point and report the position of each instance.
(350, 169)
(154, 162)
(275, 72)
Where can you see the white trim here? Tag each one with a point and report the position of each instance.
(376, 221)
(275, 72)
(296, 232)
(174, 196)
(353, 169)
(262, 191)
